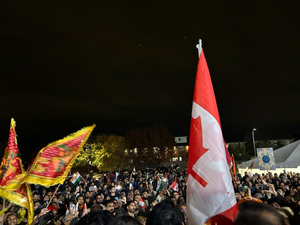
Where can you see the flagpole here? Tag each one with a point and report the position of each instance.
(53, 196)
(4, 203)
(199, 46)
(83, 179)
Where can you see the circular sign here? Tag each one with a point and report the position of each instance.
(266, 159)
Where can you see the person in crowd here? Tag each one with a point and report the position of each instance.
(142, 219)
(165, 213)
(102, 217)
(109, 206)
(99, 198)
(151, 192)
(145, 197)
(81, 207)
(125, 220)
(137, 195)
(259, 214)
(12, 219)
(131, 208)
(57, 220)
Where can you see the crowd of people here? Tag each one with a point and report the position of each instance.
(281, 191)
(146, 197)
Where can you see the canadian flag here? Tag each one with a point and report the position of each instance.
(210, 194)
(174, 186)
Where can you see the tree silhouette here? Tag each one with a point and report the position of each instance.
(152, 144)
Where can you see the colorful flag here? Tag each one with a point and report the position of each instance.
(142, 204)
(10, 167)
(210, 193)
(174, 186)
(251, 166)
(159, 186)
(134, 171)
(233, 168)
(266, 159)
(75, 179)
(53, 163)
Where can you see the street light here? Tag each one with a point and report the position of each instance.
(254, 129)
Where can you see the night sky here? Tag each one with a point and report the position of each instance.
(128, 64)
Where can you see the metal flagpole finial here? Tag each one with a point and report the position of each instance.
(199, 46)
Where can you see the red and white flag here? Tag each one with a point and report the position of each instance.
(210, 193)
(174, 186)
(142, 204)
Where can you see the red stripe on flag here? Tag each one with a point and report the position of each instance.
(198, 178)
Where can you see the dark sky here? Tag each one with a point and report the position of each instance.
(128, 64)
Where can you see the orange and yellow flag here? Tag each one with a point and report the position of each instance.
(11, 166)
(53, 163)
(233, 168)
(251, 166)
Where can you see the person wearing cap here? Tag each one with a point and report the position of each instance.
(52, 208)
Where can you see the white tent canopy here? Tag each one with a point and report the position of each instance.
(286, 158)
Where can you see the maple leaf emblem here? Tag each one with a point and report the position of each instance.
(205, 170)
(196, 142)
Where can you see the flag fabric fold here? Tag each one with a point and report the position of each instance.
(53, 163)
(75, 179)
(11, 166)
(210, 193)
